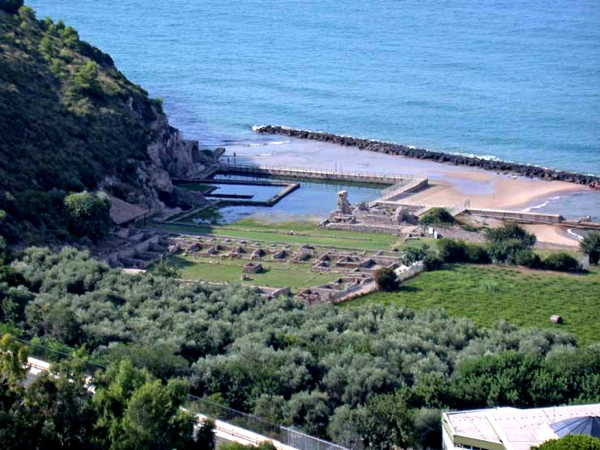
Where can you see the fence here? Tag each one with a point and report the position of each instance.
(287, 436)
(197, 405)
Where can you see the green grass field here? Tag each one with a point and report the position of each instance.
(277, 274)
(304, 233)
(487, 294)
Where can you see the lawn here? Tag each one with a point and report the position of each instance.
(303, 233)
(277, 274)
(487, 294)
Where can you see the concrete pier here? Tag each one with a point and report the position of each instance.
(316, 174)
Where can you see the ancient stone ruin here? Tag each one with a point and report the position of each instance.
(343, 205)
(252, 267)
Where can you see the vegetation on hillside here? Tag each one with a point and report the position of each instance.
(377, 374)
(88, 215)
(128, 409)
(69, 119)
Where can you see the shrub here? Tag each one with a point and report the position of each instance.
(386, 279)
(164, 268)
(11, 6)
(571, 442)
(477, 254)
(88, 215)
(562, 262)
(506, 241)
(432, 262)
(451, 251)
(26, 14)
(413, 254)
(525, 257)
(86, 79)
(591, 246)
(510, 230)
(5, 252)
(46, 47)
(437, 216)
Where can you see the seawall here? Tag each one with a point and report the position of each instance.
(440, 157)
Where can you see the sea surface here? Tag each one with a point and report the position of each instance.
(518, 81)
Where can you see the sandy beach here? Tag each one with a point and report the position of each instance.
(450, 185)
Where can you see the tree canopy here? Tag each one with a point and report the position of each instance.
(591, 246)
(88, 214)
(58, 409)
(322, 368)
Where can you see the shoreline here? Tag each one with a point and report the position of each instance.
(450, 184)
(525, 170)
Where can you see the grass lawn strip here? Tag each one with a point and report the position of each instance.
(277, 274)
(487, 294)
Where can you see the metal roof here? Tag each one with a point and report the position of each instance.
(520, 429)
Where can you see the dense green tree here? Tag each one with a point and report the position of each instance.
(88, 214)
(153, 418)
(562, 262)
(428, 428)
(386, 279)
(311, 411)
(506, 241)
(13, 369)
(497, 380)
(346, 426)
(76, 134)
(161, 360)
(11, 6)
(53, 411)
(164, 268)
(389, 422)
(452, 251)
(86, 77)
(413, 254)
(267, 445)
(571, 442)
(271, 408)
(57, 411)
(277, 357)
(137, 411)
(591, 246)
(5, 252)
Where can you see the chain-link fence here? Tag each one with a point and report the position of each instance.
(287, 436)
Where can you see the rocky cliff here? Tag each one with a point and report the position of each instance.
(70, 121)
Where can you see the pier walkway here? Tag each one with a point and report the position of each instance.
(317, 174)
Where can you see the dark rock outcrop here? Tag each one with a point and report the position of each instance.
(440, 157)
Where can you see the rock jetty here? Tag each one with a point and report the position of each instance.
(440, 157)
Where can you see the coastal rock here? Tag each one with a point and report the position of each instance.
(171, 156)
(421, 153)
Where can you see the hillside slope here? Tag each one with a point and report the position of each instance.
(70, 121)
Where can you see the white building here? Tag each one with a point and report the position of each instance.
(517, 429)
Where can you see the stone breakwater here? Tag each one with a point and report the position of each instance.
(440, 157)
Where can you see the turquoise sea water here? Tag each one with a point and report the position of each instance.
(514, 80)
(313, 201)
